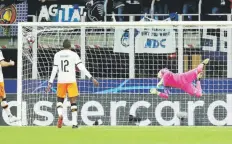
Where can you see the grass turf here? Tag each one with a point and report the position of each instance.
(116, 135)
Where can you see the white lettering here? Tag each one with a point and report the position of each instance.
(209, 37)
(76, 15)
(60, 16)
(53, 10)
(135, 106)
(66, 110)
(63, 14)
(175, 106)
(45, 118)
(229, 109)
(43, 113)
(24, 114)
(223, 40)
(113, 111)
(210, 113)
(191, 108)
(43, 14)
(85, 111)
(81, 8)
(5, 116)
(66, 11)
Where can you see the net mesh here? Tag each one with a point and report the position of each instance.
(119, 95)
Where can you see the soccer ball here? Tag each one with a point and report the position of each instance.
(30, 39)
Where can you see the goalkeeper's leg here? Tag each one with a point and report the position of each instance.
(192, 90)
(200, 67)
(191, 75)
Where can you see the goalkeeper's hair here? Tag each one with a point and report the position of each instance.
(67, 44)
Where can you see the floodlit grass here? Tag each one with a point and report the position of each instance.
(116, 135)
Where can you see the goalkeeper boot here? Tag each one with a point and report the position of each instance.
(60, 122)
(75, 126)
(206, 61)
(13, 119)
(153, 91)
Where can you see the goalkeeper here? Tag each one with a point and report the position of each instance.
(182, 81)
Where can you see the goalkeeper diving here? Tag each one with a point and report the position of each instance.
(183, 81)
(65, 63)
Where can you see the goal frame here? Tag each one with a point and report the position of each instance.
(131, 25)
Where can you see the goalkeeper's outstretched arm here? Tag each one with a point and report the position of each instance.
(161, 94)
(160, 83)
(87, 73)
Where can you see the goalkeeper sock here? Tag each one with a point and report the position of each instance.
(4, 105)
(200, 68)
(199, 90)
(163, 95)
(60, 108)
(74, 113)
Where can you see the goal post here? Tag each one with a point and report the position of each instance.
(19, 73)
(125, 57)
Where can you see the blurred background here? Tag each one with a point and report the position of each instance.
(193, 43)
(14, 11)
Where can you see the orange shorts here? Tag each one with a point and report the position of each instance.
(67, 88)
(2, 90)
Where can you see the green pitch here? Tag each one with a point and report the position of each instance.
(116, 135)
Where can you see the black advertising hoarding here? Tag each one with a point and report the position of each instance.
(52, 11)
(114, 109)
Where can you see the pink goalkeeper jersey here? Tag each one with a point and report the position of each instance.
(182, 81)
(171, 79)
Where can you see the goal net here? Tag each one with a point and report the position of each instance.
(125, 58)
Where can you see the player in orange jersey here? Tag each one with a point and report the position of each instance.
(3, 101)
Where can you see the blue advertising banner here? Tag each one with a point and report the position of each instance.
(135, 86)
(10, 86)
